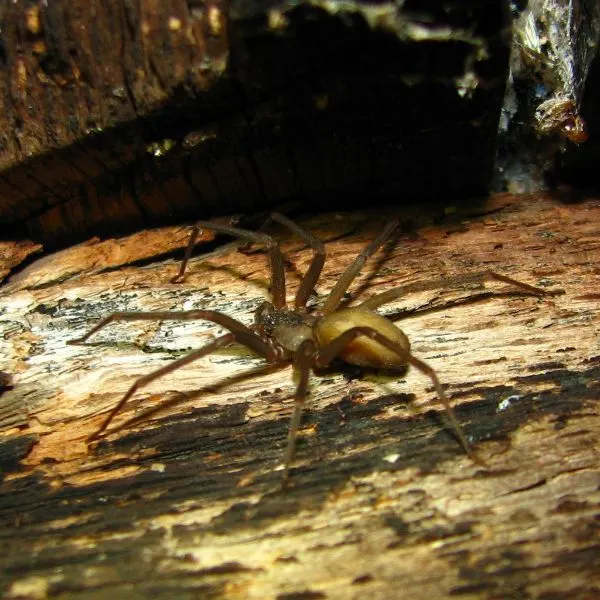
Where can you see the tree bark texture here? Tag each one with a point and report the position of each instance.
(383, 503)
(128, 114)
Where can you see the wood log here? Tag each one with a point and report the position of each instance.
(382, 503)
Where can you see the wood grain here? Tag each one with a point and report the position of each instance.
(383, 502)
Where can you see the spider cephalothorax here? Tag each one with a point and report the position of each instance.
(308, 338)
(288, 328)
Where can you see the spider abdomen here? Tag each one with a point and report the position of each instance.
(363, 351)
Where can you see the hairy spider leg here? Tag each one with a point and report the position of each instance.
(303, 361)
(343, 283)
(239, 333)
(275, 256)
(186, 257)
(423, 286)
(311, 276)
(282, 209)
(309, 357)
(316, 266)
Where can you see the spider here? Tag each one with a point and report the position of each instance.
(307, 338)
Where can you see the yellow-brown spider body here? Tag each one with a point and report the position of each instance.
(363, 351)
(289, 330)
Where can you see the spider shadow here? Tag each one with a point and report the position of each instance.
(204, 265)
(432, 306)
(184, 397)
(221, 453)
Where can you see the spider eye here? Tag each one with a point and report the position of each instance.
(263, 312)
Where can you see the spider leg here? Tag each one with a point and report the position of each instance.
(343, 283)
(328, 352)
(303, 361)
(423, 286)
(238, 332)
(188, 253)
(174, 315)
(316, 266)
(275, 256)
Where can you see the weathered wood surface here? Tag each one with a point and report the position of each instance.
(383, 502)
(13, 253)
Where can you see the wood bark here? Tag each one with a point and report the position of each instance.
(383, 502)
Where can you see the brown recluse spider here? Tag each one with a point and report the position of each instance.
(308, 339)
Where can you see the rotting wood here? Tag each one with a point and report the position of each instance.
(383, 501)
(13, 253)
